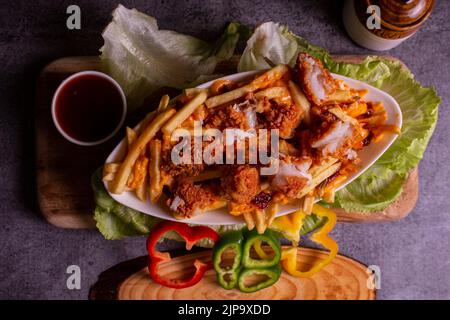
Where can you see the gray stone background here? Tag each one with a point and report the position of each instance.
(413, 253)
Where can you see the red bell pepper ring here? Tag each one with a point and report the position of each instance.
(190, 235)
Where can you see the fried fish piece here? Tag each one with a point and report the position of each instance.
(335, 139)
(190, 198)
(284, 117)
(292, 175)
(316, 81)
(241, 183)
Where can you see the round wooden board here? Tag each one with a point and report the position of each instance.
(343, 279)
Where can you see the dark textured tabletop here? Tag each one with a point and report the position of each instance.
(413, 254)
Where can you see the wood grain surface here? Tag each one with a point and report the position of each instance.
(63, 169)
(342, 279)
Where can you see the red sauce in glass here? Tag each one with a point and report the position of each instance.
(89, 108)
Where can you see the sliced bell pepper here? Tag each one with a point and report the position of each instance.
(259, 250)
(253, 238)
(228, 275)
(272, 274)
(238, 272)
(289, 256)
(191, 235)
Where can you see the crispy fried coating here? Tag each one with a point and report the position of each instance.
(292, 176)
(241, 183)
(189, 197)
(316, 81)
(335, 139)
(284, 117)
(229, 116)
(182, 170)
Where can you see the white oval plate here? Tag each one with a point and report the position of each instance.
(368, 156)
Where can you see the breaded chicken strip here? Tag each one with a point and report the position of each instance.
(241, 183)
(316, 81)
(190, 198)
(238, 115)
(292, 175)
(335, 140)
(285, 117)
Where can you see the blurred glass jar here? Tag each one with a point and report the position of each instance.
(384, 24)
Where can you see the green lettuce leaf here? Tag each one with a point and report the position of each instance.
(312, 223)
(143, 58)
(381, 184)
(115, 220)
(372, 191)
(277, 43)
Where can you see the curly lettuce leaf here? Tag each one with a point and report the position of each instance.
(277, 43)
(311, 223)
(143, 58)
(381, 184)
(373, 191)
(114, 220)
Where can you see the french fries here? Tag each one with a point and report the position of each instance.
(184, 113)
(258, 218)
(342, 96)
(272, 93)
(328, 191)
(111, 167)
(271, 75)
(329, 195)
(375, 120)
(260, 82)
(139, 172)
(337, 111)
(140, 190)
(308, 203)
(260, 221)
(191, 92)
(319, 178)
(249, 221)
(154, 171)
(163, 103)
(131, 136)
(137, 179)
(119, 182)
(109, 170)
(272, 211)
(300, 100)
(356, 109)
(239, 209)
(230, 95)
(108, 176)
(316, 169)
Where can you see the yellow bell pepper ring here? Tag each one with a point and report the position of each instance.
(289, 256)
(259, 250)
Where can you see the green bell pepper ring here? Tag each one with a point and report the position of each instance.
(252, 238)
(228, 275)
(272, 273)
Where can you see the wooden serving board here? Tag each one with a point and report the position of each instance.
(342, 279)
(63, 169)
